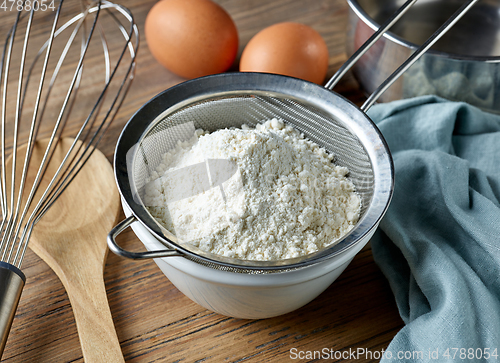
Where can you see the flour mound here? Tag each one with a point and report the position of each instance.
(282, 197)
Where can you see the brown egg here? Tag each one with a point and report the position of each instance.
(192, 38)
(291, 49)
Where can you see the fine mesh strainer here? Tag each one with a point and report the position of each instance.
(233, 99)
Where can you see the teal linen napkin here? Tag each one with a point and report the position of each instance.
(439, 243)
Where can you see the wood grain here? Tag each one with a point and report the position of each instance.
(153, 320)
(69, 238)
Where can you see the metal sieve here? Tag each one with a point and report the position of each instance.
(233, 99)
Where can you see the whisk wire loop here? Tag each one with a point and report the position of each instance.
(47, 201)
(15, 215)
(35, 105)
(32, 133)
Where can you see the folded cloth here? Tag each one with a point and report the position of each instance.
(439, 243)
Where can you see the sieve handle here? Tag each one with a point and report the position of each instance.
(368, 44)
(418, 53)
(409, 62)
(113, 246)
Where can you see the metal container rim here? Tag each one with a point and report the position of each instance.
(239, 82)
(363, 16)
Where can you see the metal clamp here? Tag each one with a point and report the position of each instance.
(113, 246)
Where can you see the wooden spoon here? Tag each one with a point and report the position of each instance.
(71, 239)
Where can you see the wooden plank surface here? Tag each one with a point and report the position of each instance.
(157, 323)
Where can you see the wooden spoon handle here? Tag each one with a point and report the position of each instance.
(94, 322)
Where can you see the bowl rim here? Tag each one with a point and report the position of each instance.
(363, 16)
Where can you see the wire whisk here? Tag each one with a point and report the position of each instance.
(40, 82)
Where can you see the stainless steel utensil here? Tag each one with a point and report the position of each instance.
(463, 66)
(229, 100)
(28, 74)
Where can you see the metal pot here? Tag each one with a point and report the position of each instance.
(463, 66)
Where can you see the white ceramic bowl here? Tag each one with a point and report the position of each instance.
(248, 296)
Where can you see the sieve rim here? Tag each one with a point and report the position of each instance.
(225, 84)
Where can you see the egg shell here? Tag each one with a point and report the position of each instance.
(291, 49)
(192, 38)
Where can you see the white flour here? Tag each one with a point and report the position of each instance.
(277, 196)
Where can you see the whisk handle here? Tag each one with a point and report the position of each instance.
(11, 285)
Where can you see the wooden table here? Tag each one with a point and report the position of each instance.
(156, 322)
